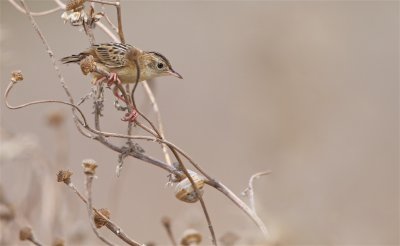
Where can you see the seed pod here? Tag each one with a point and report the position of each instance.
(184, 190)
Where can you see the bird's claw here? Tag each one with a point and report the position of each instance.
(131, 116)
(113, 78)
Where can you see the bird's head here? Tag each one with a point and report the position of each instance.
(156, 65)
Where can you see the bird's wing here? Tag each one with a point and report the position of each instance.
(112, 55)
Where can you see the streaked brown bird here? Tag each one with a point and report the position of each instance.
(121, 61)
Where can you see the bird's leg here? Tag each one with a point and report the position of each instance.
(133, 114)
(98, 81)
(113, 78)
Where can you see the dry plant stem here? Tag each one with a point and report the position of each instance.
(10, 86)
(117, 4)
(145, 158)
(108, 19)
(110, 224)
(212, 182)
(171, 237)
(35, 242)
(53, 60)
(158, 117)
(89, 179)
(42, 13)
(250, 189)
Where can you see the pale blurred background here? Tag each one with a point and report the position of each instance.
(308, 90)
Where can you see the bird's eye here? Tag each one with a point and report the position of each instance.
(160, 65)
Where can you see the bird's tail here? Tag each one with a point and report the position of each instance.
(73, 58)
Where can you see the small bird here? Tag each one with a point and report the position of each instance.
(121, 61)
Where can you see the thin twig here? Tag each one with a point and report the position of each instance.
(42, 13)
(12, 83)
(117, 4)
(53, 60)
(108, 19)
(89, 179)
(153, 101)
(112, 226)
(166, 221)
(249, 191)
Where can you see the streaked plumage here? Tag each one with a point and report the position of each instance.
(120, 59)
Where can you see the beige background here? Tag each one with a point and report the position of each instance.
(308, 90)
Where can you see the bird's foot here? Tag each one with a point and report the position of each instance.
(113, 78)
(132, 115)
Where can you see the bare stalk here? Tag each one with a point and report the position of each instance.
(153, 101)
(166, 221)
(42, 13)
(89, 179)
(249, 191)
(112, 226)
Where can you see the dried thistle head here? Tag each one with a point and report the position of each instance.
(100, 221)
(75, 5)
(89, 166)
(25, 233)
(88, 65)
(64, 176)
(16, 76)
(191, 237)
(55, 119)
(58, 242)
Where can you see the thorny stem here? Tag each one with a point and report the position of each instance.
(89, 179)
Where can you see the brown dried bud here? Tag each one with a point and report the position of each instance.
(16, 76)
(89, 166)
(64, 176)
(88, 65)
(55, 119)
(25, 234)
(75, 5)
(100, 221)
(191, 237)
(58, 242)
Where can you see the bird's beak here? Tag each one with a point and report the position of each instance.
(173, 73)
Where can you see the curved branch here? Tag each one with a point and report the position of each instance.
(42, 13)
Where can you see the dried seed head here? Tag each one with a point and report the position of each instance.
(88, 65)
(25, 234)
(64, 176)
(75, 5)
(55, 118)
(98, 220)
(58, 242)
(16, 76)
(89, 166)
(191, 237)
